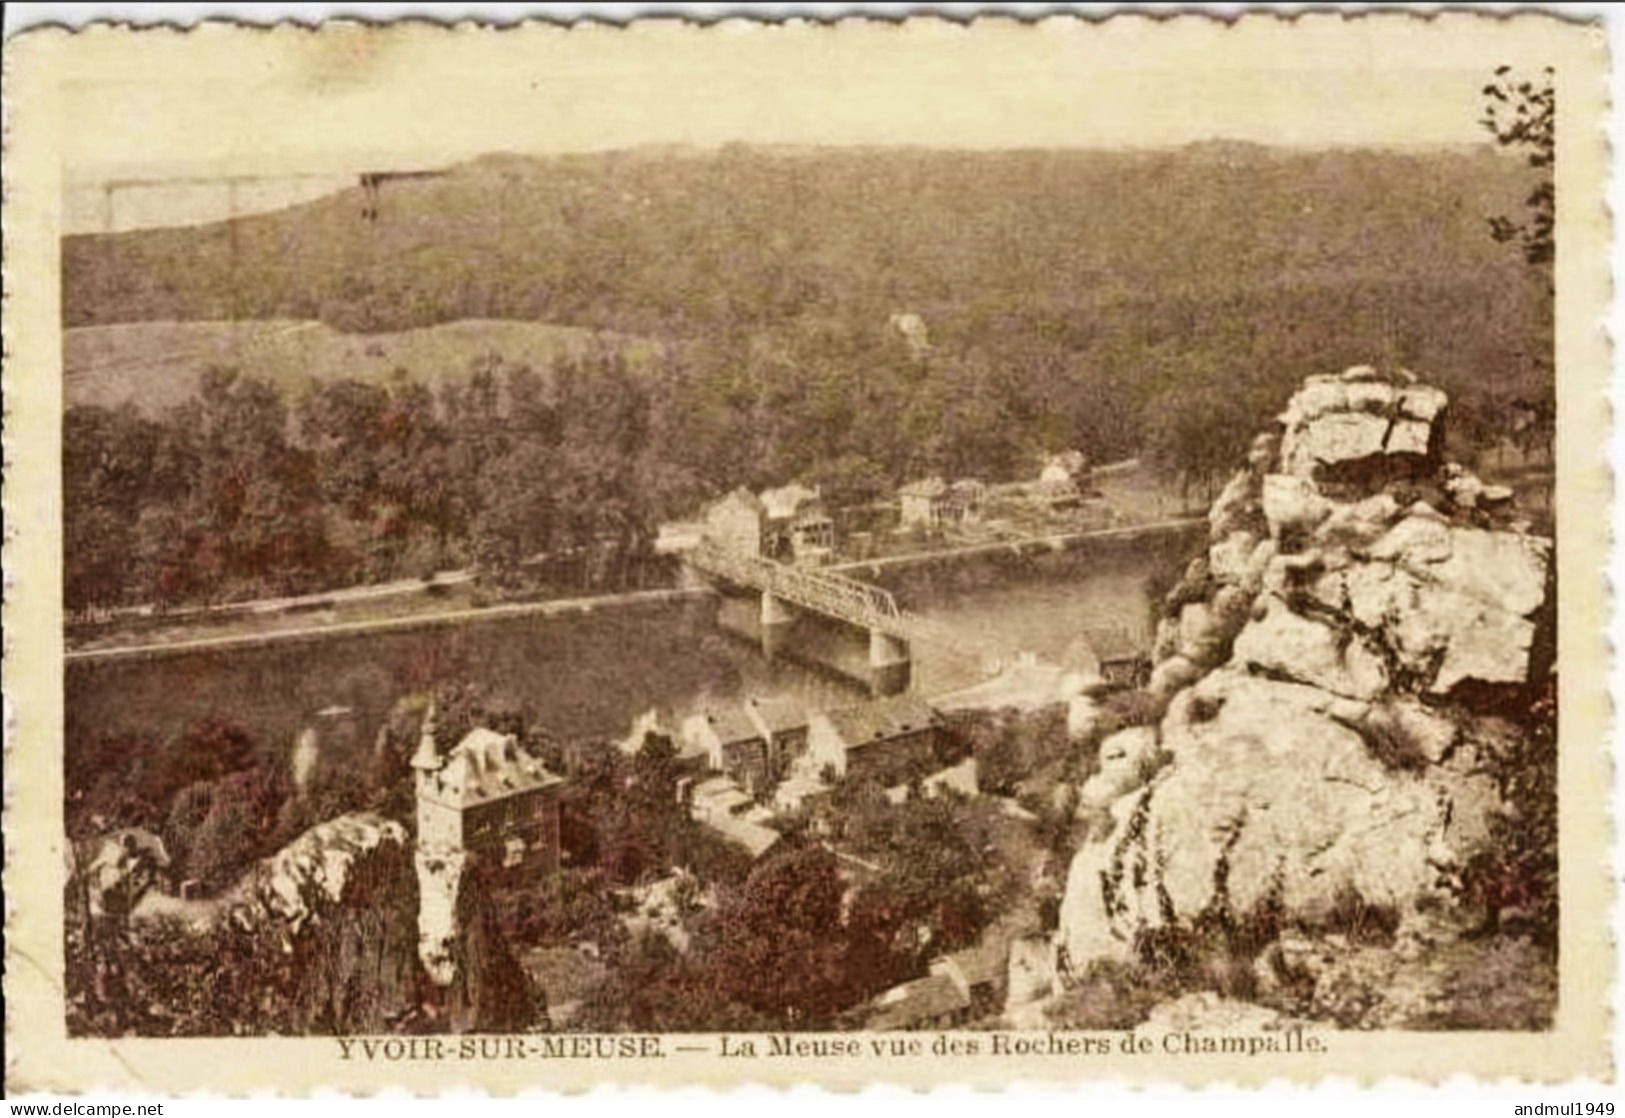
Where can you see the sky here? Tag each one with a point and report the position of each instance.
(284, 105)
(338, 108)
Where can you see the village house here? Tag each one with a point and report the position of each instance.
(932, 1002)
(678, 537)
(932, 503)
(737, 524)
(693, 757)
(734, 745)
(729, 811)
(783, 726)
(1069, 465)
(789, 524)
(980, 973)
(799, 527)
(753, 744)
(1057, 494)
(1121, 659)
(887, 740)
(965, 986)
(487, 796)
(965, 500)
(923, 502)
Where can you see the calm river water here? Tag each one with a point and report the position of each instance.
(591, 674)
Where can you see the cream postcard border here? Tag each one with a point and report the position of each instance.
(37, 65)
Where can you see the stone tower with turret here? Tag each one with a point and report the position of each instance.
(440, 860)
(486, 798)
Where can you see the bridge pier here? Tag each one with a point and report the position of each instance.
(890, 664)
(777, 619)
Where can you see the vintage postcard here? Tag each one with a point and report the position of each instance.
(908, 552)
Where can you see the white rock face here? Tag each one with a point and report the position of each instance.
(294, 887)
(1292, 504)
(1343, 437)
(310, 873)
(1172, 674)
(1231, 556)
(1317, 739)
(118, 869)
(1288, 645)
(1233, 506)
(1275, 800)
(1454, 603)
(1127, 760)
(1330, 422)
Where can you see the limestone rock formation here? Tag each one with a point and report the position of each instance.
(1328, 667)
(310, 875)
(295, 886)
(118, 869)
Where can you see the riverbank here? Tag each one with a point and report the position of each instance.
(1017, 548)
(300, 630)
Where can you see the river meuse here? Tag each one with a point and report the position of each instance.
(591, 674)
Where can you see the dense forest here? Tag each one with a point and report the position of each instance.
(236, 494)
(1156, 302)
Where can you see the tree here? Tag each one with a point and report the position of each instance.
(1522, 115)
(518, 517)
(1198, 432)
(238, 827)
(782, 950)
(107, 465)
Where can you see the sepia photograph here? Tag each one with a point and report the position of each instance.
(1033, 532)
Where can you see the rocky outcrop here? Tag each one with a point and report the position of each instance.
(1329, 668)
(342, 903)
(312, 873)
(118, 869)
(292, 888)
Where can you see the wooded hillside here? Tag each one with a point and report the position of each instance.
(1160, 303)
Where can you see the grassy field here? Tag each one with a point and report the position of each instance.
(156, 364)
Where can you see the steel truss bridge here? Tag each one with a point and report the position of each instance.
(830, 594)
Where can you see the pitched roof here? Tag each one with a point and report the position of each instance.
(881, 719)
(487, 766)
(986, 962)
(720, 796)
(743, 497)
(925, 487)
(732, 724)
(922, 1000)
(754, 837)
(787, 500)
(777, 715)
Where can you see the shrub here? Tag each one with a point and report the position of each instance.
(1514, 877)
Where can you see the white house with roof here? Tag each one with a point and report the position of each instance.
(737, 524)
(922, 502)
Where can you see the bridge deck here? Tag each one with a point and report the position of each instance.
(829, 593)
